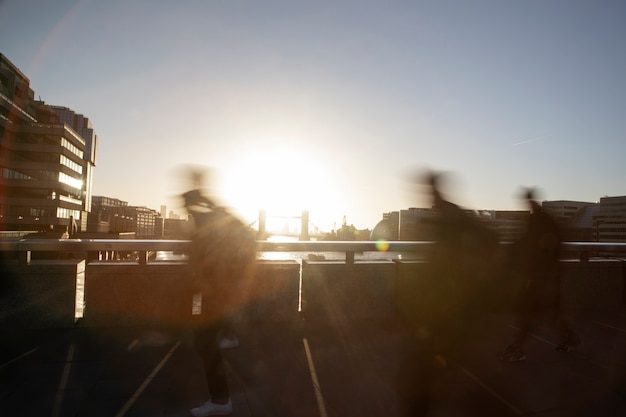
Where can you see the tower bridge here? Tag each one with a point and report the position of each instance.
(306, 232)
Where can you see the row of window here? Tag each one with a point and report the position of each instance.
(71, 164)
(71, 181)
(70, 199)
(38, 212)
(71, 147)
(64, 213)
(61, 176)
(13, 175)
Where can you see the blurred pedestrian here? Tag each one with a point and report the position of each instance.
(222, 258)
(537, 256)
(463, 263)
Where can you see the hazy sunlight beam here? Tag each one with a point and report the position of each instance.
(283, 181)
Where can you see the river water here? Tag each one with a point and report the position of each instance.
(308, 255)
(299, 256)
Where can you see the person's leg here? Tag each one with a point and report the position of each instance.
(207, 346)
(227, 337)
(525, 321)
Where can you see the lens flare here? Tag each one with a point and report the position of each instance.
(382, 245)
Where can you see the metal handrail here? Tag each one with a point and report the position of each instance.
(89, 245)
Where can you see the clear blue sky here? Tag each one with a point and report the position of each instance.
(331, 103)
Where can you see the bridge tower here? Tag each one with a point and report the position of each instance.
(304, 228)
(262, 233)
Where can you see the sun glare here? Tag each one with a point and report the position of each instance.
(284, 182)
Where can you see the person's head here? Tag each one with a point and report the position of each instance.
(196, 202)
(529, 195)
(433, 180)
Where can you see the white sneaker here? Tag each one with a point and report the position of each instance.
(209, 408)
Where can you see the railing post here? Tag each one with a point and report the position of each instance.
(623, 281)
(349, 257)
(25, 256)
(584, 256)
(143, 257)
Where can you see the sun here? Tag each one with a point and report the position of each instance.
(282, 180)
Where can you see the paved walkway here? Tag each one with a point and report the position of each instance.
(308, 370)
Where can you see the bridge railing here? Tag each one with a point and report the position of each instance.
(26, 247)
(48, 283)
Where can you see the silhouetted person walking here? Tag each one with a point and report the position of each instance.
(537, 256)
(464, 261)
(222, 257)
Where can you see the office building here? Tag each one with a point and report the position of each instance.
(563, 210)
(416, 224)
(610, 220)
(47, 156)
(114, 216)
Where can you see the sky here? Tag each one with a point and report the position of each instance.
(336, 106)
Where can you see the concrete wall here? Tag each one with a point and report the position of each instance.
(160, 294)
(41, 294)
(412, 289)
(48, 293)
(340, 291)
(593, 285)
(274, 293)
(596, 285)
(127, 293)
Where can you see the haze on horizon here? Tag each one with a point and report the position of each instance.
(332, 106)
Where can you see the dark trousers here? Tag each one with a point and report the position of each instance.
(206, 344)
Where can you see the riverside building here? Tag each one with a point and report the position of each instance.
(610, 219)
(47, 156)
(114, 216)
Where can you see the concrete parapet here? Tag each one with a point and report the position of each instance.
(129, 293)
(593, 285)
(340, 291)
(160, 294)
(274, 292)
(42, 293)
(412, 290)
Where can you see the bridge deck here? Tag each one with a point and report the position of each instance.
(309, 370)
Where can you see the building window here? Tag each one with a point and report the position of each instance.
(72, 182)
(63, 213)
(13, 175)
(71, 164)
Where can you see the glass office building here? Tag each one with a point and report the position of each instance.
(47, 156)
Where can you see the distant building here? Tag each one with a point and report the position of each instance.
(563, 210)
(176, 229)
(47, 156)
(508, 224)
(580, 227)
(417, 224)
(609, 221)
(174, 215)
(392, 220)
(111, 215)
(581, 221)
